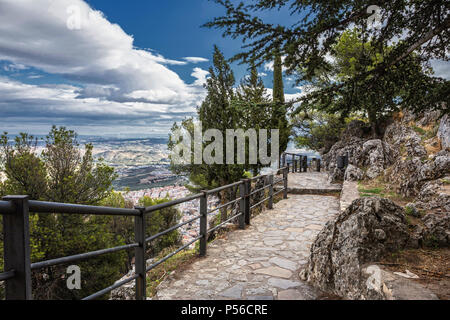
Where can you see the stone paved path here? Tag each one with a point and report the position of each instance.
(261, 262)
(311, 182)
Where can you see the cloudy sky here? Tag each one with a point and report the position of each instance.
(107, 67)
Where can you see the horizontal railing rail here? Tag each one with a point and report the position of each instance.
(53, 207)
(16, 210)
(79, 257)
(171, 203)
(7, 275)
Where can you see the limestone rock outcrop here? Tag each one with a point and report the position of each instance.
(367, 230)
(435, 195)
(127, 291)
(375, 155)
(414, 172)
(400, 136)
(444, 132)
(409, 176)
(437, 229)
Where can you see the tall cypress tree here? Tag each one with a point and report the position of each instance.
(279, 109)
(253, 104)
(252, 88)
(278, 86)
(216, 112)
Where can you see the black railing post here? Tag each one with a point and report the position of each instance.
(318, 165)
(270, 205)
(285, 181)
(17, 249)
(139, 255)
(247, 191)
(293, 164)
(203, 223)
(242, 205)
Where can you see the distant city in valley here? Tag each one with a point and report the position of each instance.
(141, 163)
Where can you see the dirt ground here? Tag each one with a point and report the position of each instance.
(431, 265)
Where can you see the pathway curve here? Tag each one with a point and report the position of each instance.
(261, 262)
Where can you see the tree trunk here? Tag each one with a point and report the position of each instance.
(373, 123)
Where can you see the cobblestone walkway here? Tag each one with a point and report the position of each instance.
(261, 262)
(311, 183)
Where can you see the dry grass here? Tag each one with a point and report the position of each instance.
(377, 187)
(177, 262)
(433, 146)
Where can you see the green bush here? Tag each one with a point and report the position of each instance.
(62, 173)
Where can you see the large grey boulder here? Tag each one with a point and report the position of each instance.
(353, 173)
(437, 229)
(444, 132)
(367, 230)
(351, 146)
(375, 155)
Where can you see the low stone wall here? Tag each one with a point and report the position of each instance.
(349, 194)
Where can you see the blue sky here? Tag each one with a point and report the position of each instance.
(103, 67)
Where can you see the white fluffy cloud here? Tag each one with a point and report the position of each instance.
(195, 59)
(70, 39)
(59, 104)
(200, 75)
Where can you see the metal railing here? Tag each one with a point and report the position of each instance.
(298, 162)
(16, 210)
